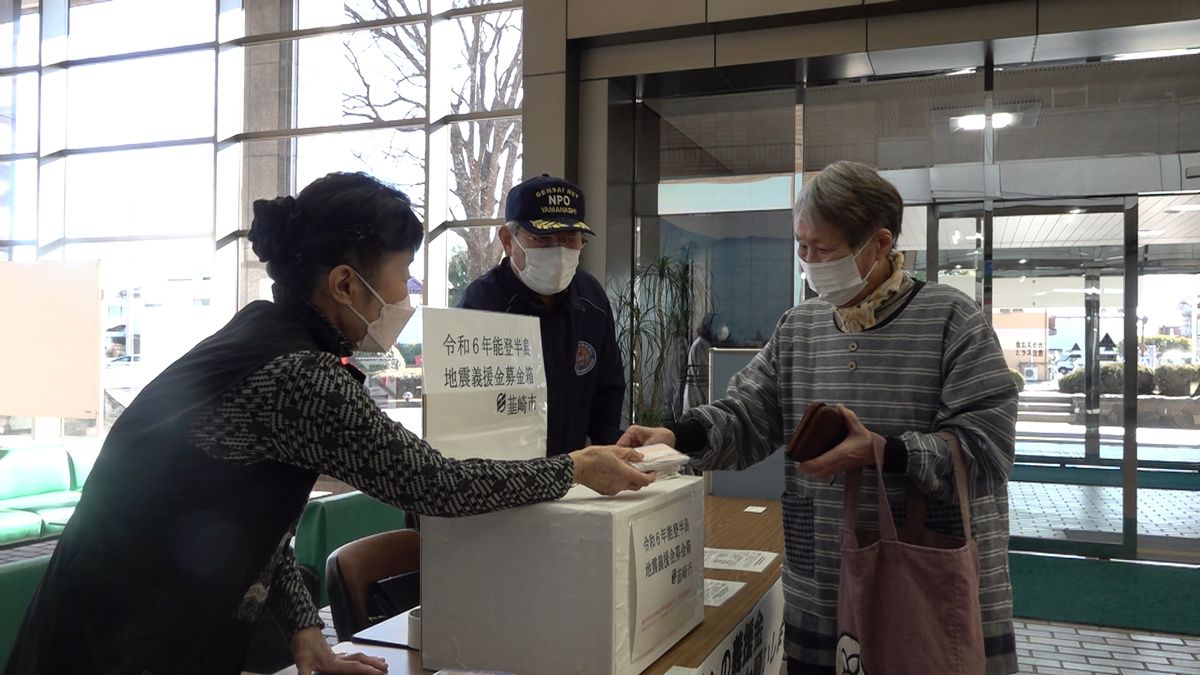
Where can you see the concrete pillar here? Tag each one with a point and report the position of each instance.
(270, 72)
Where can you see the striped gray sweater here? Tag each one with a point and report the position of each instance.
(935, 365)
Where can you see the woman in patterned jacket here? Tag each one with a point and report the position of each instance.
(918, 369)
(182, 534)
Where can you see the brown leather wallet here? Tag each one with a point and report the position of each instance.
(821, 428)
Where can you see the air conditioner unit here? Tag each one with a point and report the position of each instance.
(1031, 372)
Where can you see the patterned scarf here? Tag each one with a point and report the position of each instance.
(881, 303)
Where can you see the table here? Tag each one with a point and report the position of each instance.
(726, 525)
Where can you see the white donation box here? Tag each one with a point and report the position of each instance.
(585, 584)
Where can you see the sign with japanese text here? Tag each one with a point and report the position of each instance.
(668, 567)
(755, 645)
(485, 385)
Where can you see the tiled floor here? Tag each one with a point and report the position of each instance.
(1050, 510)
(1062, 648)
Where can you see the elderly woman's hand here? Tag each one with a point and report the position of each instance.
(857, 450)
(607, 469)
(637, 436)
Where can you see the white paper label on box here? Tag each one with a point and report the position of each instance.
(737, 560)
(756, 644)
(717, 591)
(668, 571)
(485, 384)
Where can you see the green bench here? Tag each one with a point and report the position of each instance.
(39, 488)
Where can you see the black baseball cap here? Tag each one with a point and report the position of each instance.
(546, 205)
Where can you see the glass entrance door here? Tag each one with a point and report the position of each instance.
(1094, 304)
(1051, 274)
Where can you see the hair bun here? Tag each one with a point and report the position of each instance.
(270, 231)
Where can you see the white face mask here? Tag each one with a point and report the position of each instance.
(837, 281)
(383, 331)
(547, 270)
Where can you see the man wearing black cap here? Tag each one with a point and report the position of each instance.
(538, 276)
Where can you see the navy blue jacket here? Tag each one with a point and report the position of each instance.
(584, 374)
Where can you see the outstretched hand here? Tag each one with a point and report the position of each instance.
(637, 436)
(607, 469)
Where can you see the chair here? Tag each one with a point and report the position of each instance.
(373, 578)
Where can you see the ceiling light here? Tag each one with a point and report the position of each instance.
(1076, 212)
(1156, 54)
(962, 71)
(977, 121)
(974, 122)
(1150, 233)
(1182, 208)
(1022, 261)
(1015, 115)
(958, 267)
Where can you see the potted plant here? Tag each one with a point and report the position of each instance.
(655, 315)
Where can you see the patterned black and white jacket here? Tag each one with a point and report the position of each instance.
(308, 410)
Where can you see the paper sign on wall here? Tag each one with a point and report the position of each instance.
(485, 384)
(668, 550)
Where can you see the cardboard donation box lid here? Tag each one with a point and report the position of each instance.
(585, 584)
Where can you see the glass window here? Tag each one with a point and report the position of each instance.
(462, 4)
(485, 162)
(473, 251)
(729, 254)
(1057, 310)
(484, 53)
(394, 379)
(960, 252)
(20, 28)
(743, 137)
(893, 124)
(140, 100)
(155, 306)
(1168, 318)
(913, 242)
(140, 192)
(18, 253)
(733, 193)
(1086, 109)
(18, 113)
(18, 200)
(315, 13)
(365, 76)
(123, 26)
(396, 156)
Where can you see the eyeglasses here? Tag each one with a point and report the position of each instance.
(571, 240)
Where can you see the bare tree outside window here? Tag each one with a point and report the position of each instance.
(484, 53)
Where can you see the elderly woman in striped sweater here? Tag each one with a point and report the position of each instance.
(918, 369)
